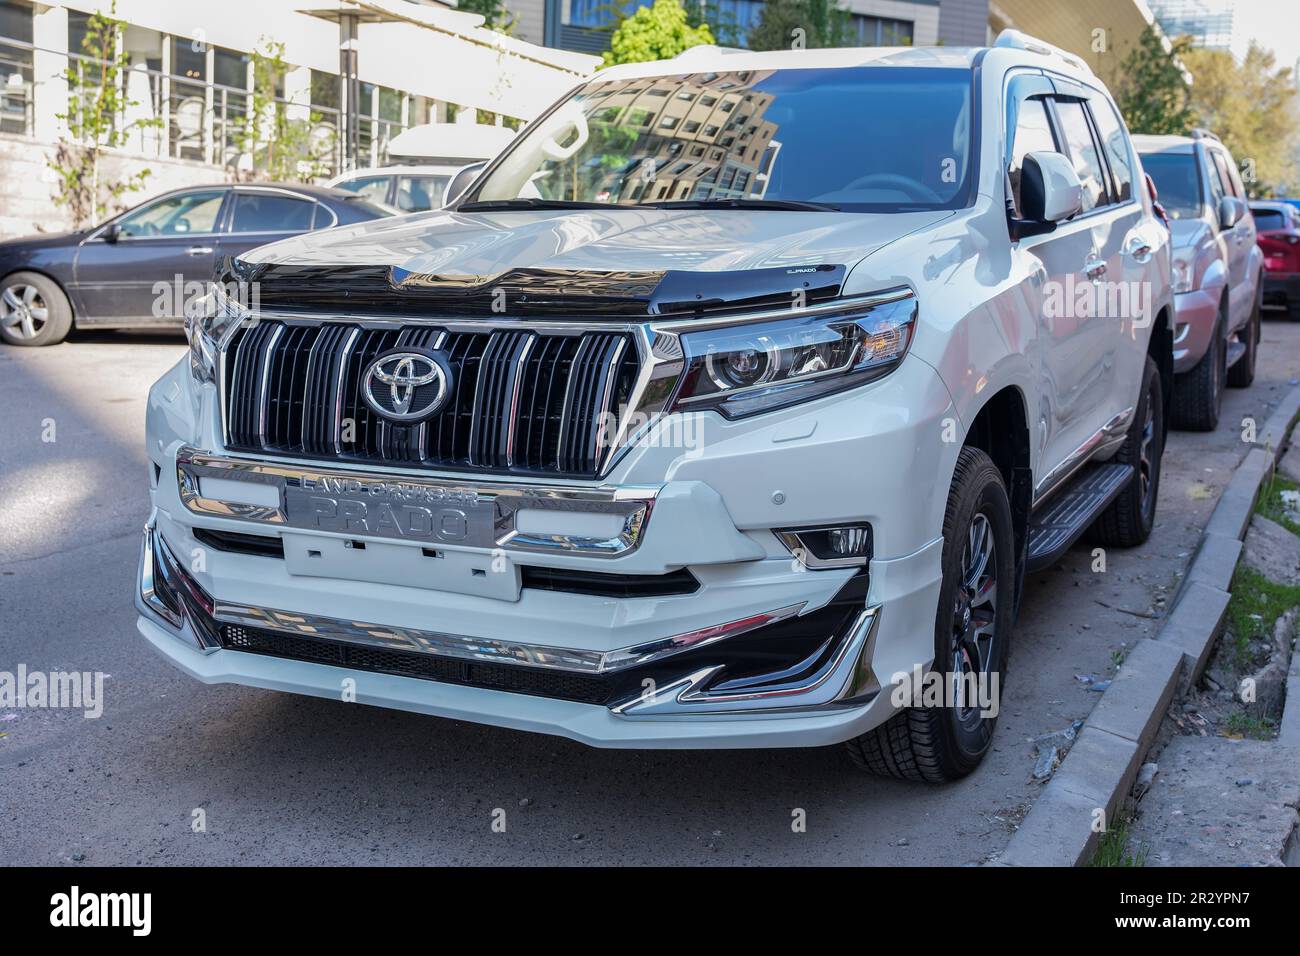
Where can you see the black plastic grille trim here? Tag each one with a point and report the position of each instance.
(522, 401)
(601, 584)
(513, 678)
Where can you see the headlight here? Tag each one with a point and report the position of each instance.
(744, 369)
(210, 322)
(1182, 275)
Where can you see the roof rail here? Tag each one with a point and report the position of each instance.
(1017, 40)
(1199, 133)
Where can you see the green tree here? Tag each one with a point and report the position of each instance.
(96, 123)
(1153, 94)
(494, 13)
(655, 33)
(277, 146)
(800, 24)
(1252, 107)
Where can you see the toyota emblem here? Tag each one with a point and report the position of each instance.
(403, 385)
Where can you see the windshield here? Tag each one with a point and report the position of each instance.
(1176, 181)
(870, 139)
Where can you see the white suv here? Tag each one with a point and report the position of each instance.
(740, 391)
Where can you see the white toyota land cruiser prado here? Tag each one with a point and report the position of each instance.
(736, 395)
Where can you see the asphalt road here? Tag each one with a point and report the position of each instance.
(294, 780)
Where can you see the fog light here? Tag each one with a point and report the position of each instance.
(838, 546)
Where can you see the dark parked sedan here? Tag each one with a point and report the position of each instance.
(113, 276)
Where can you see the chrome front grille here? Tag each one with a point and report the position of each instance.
(522, 401)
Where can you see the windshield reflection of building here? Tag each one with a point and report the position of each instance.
(701, 136)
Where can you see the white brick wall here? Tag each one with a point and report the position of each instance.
(27, 183)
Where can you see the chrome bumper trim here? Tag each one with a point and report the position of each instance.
(486, 649)
(155, 553)
(403, 507)
(1105, 438)
(845, 678)
(160, 571)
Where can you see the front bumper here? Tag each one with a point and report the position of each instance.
(1195, 316)
(833, 696)
(375, 590)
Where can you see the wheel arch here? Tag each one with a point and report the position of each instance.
(1160, 346)
(1000, 429)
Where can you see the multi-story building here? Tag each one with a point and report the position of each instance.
(1207, 22)
(190, 75)
(586, 24)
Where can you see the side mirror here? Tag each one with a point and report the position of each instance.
(112, 233)
(460, 182)
(1231, 211)
(1050, 190)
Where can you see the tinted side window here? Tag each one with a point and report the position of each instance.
(263, 212)
(1116, 145)
(1083, 152)
(1226, 175)
(1033, 133)
(175, 216)
(1218, 188)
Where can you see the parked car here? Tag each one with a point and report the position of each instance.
(426, 158)
(403, 188)
(1217, 272)
(707, 456)
(107, 277)
(1277, 226)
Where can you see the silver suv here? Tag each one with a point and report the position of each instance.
(1218, 271)
(728, 407)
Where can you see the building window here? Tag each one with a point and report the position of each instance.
(15, 68)
(230, 100)
(880, 31)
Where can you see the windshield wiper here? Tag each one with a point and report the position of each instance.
(793, 205)
(485, 205)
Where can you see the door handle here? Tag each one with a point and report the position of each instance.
(198, 250)
(1140, 250)
(1094, 268)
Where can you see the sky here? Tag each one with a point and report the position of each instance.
(1273, 24)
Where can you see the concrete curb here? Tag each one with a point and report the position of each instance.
(1062, 827)
(1289, 730)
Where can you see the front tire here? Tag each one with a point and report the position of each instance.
(937, 744)
(1198, 394)
(33, 310)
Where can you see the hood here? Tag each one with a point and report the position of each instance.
(42, 240)
(480, 247)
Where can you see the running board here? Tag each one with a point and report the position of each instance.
(1235, 351)
(1067, 515)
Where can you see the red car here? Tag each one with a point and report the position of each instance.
(1278, 230)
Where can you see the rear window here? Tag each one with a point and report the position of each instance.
(1269, 219)
(1177, 182)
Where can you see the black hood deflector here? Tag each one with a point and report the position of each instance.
(385, 290)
